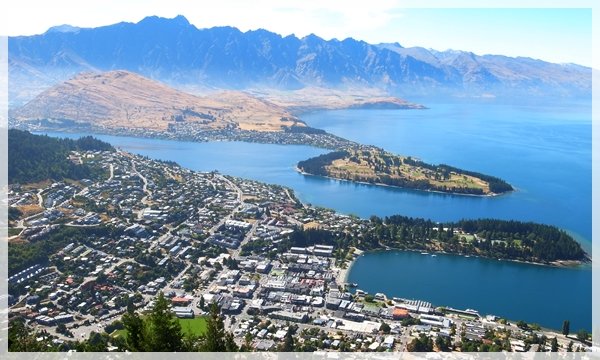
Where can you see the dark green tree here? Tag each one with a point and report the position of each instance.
(582, 335)
(385, 328)
(164, 329)
(554, 345)
(215, 331)
(95, 343)
(421, 344)
(21, 338)
(134, 325)
(288, 341)
(566, 327)
(230, 345)
(442, 343)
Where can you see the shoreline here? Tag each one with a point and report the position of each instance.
(556, 263)
(490, 195)
(560, 264)
(342, 274)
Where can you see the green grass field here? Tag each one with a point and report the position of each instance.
(195, 326)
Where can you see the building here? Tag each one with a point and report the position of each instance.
(300, 317)
(323, 250)
(180, 301)
(298, 250)
(399, 314)
(183, 312)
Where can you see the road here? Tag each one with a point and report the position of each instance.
(249, 235)
(144, 188)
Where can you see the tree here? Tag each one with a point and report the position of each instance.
(421, 344)
(442, 343)
(230, 345)
(135, 330)
(582, 335)
(202, 305)
(570, 346)
(522, 325)
(566, 327)
(554, 345)
(165, 330)
(21, 338)
(369, 298)
(95, 343)
(453, 329)
(247, 345)
(385, 328)
(288, 341)
(215, 331)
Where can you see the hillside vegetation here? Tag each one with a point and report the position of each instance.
(377, 166)
(33, 158)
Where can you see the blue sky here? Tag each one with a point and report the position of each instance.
(556, 35)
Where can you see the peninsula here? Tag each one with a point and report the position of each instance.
(376, 166)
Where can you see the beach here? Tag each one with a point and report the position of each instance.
(342, 274)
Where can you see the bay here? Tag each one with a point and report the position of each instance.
(517, 291)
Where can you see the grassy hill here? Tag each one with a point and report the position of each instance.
(122, 99)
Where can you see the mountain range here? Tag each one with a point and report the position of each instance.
(180, 54)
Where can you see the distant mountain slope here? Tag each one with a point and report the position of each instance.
(124, 99)
(174, 51)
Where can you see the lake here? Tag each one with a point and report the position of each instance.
(544, 152)
(534, 293)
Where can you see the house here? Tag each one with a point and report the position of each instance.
(180, 301)
(399, 314)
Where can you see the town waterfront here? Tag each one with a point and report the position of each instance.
(544, 152)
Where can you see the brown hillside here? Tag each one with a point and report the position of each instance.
(125, 99)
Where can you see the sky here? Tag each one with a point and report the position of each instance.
(551, 34)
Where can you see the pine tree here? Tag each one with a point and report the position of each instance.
(288, 341)
(230, 345)
(165, 330)
(566, 327)
(215, 331)
(134, 325)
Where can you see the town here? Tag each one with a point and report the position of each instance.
(289, 135)
(147, 227)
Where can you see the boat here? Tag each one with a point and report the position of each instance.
(424, 253)
(433, 255)
(467, 255)
(353, 285)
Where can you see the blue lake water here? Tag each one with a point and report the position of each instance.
(544, 152)
(534, 293)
